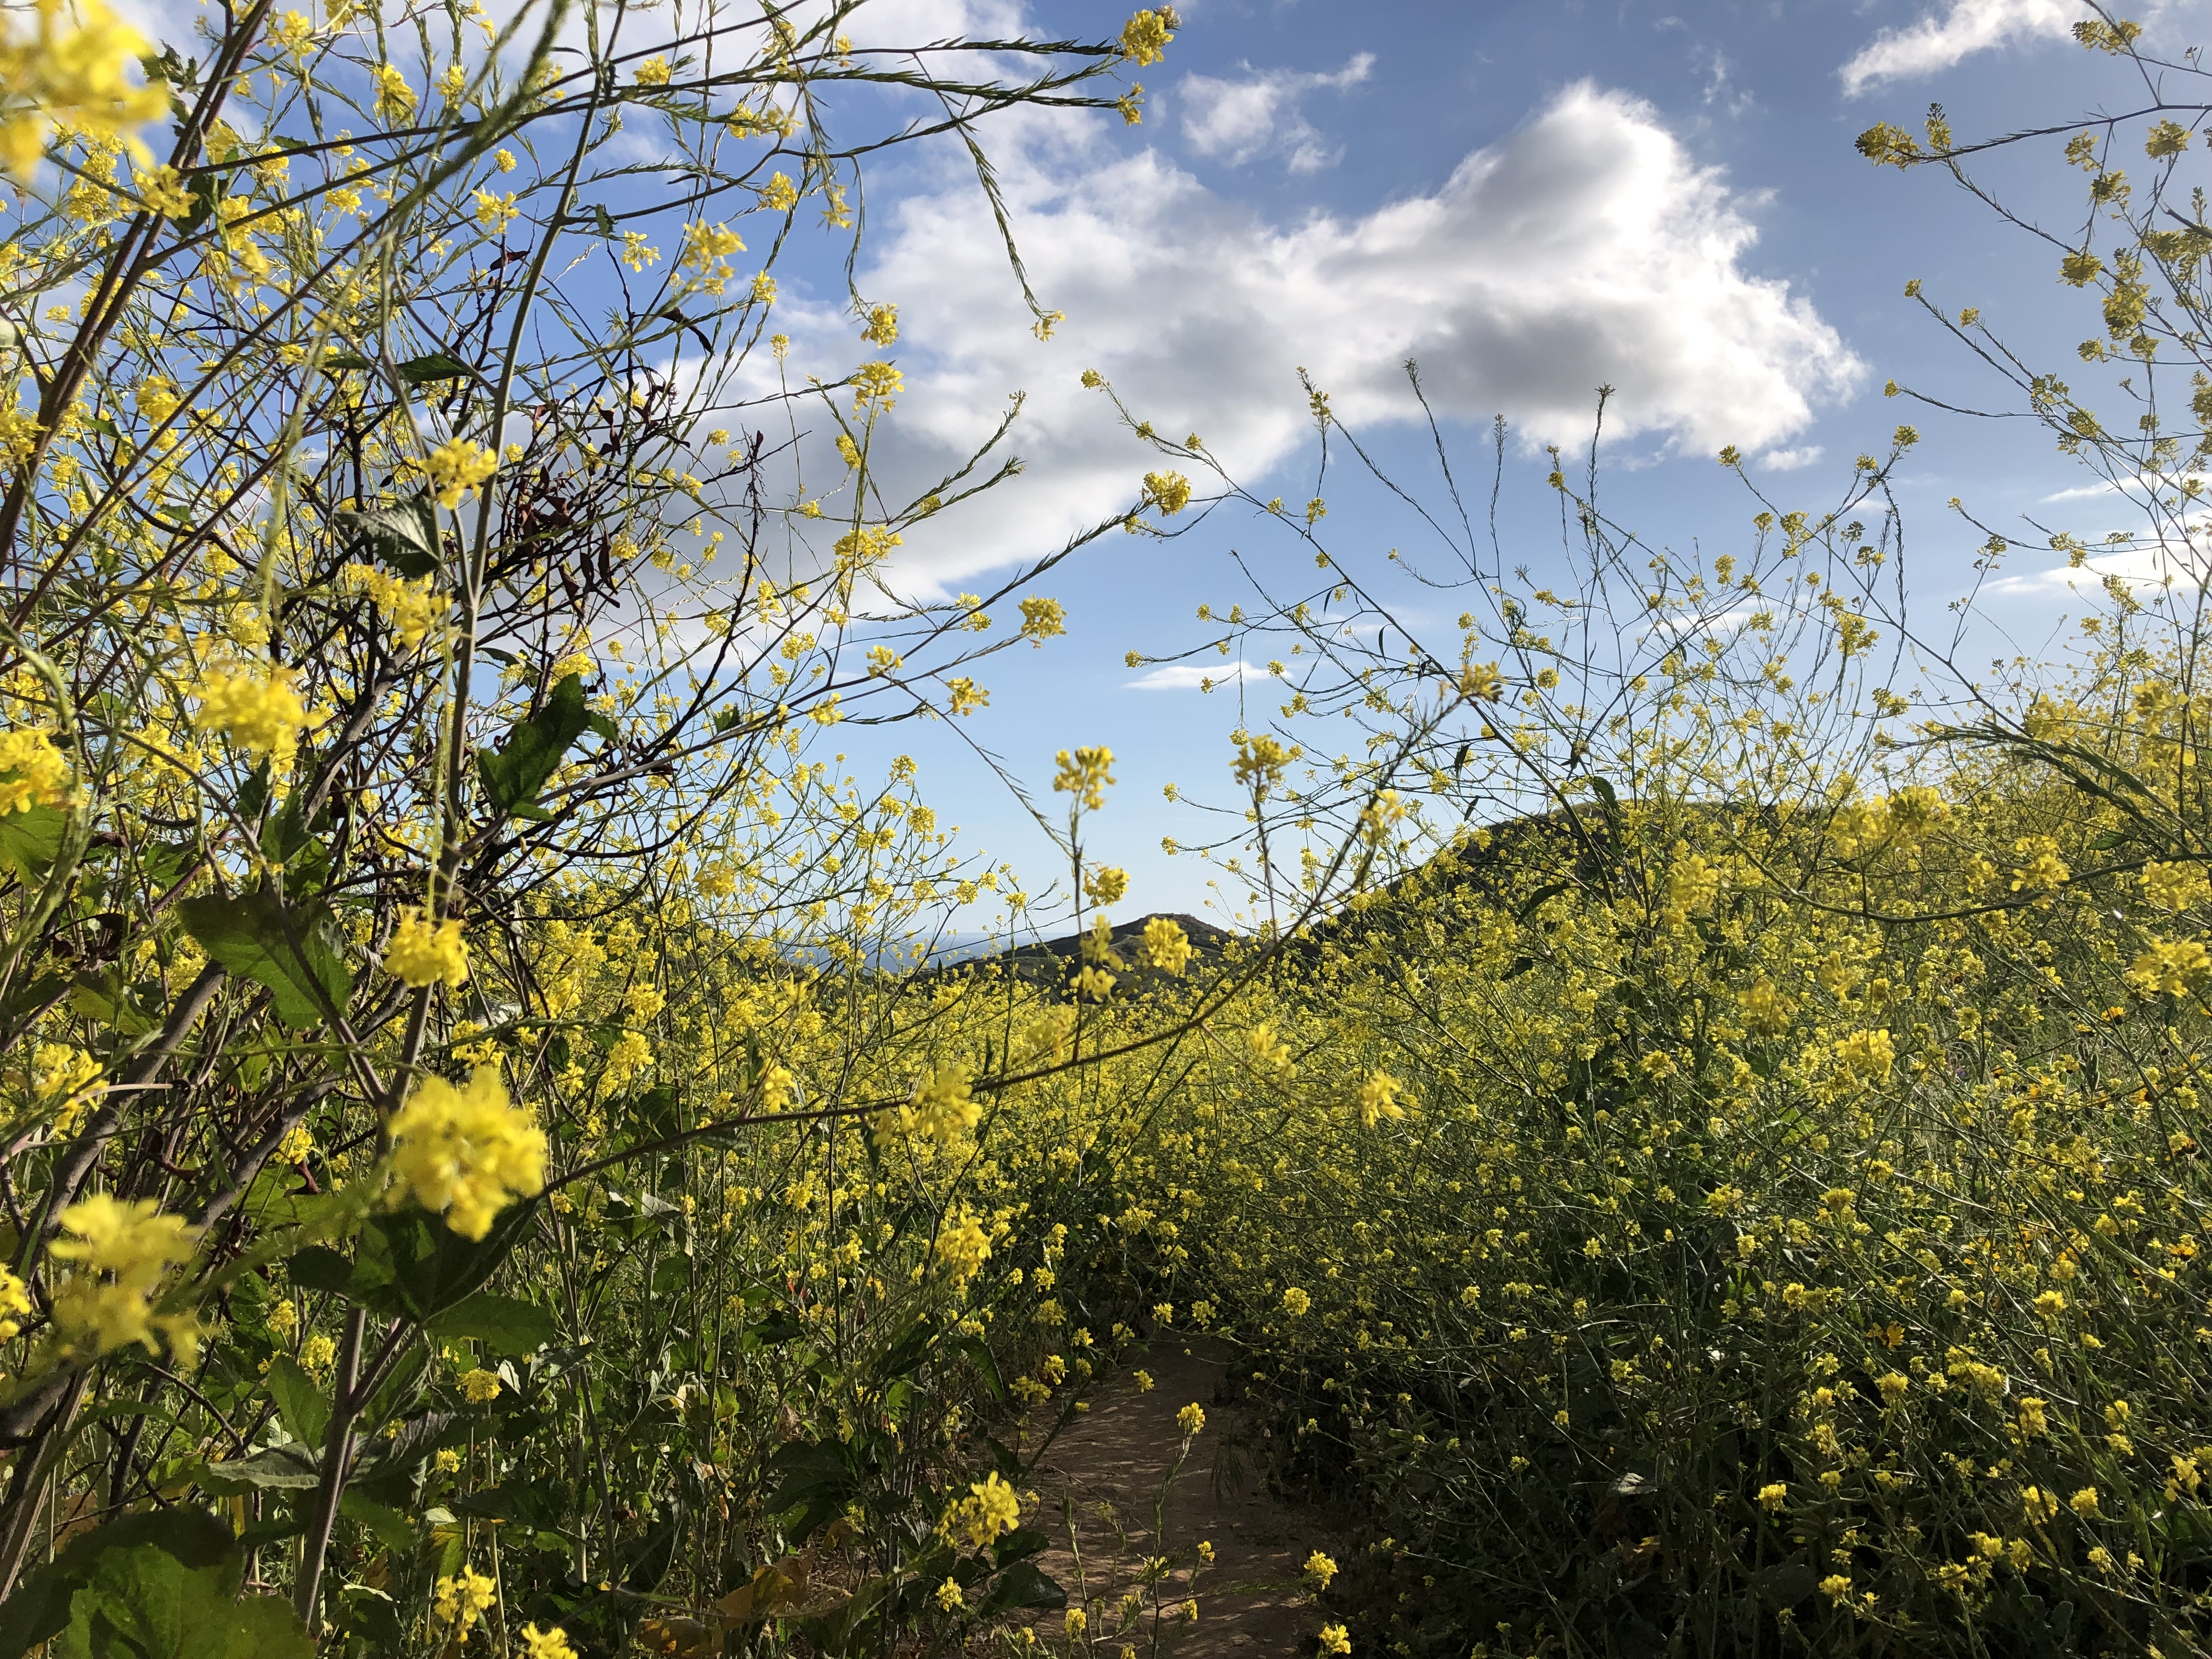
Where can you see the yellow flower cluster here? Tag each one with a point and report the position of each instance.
(122, 1252)
(262, 715)
(61, 1075)
(1867, 1055)
(479, 1386)
(2177, 886)
(426, 953)
(705, 257)
(411, 608)
(1168, 491)
(1041, 619)
(2175, 967)
(1261, 761)
(15, 1303)
(991, 1508)
(1106, 886)
(940, 1110)
(457, 467)
(1378, 1099)
(1167, 947)
(1144, 37)
(458, 1601)
(874, 384)
(468, 1152)
(33, 772)
(963, 1247)
(395, 98)
(1085, 774)
(72, 70)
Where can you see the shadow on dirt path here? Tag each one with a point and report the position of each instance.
(1110, 1462)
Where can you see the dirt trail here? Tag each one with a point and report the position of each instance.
(1111, 1461)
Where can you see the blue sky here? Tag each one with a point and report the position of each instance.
(1529, 197)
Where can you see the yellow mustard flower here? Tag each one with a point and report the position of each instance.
(424, 953)
(466, 1151)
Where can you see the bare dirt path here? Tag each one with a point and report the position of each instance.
(1111, 1461)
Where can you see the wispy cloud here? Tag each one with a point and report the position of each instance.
(1237, 120)
(1192, 676)
(2152, 564)
(1937, 42)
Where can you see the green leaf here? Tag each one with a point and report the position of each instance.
(848, 1627)
(39, 1608)
(145, 1604)
(433, 366)
(1019, 1545)
(979, 1354)
(506, 1324)
(908, 1351)
(31, 840)
(105, 997)
(288, 834)
(413, 1264)
(672, 1274)
(253, 793)
(533, 751)
(1788, 1583)
(299, 1402)
(646, 1562)
(386, 1470)
(291, 1520)
(1530, 905)
(400, 1386)
(404, 537)
(1022, 1585)
(653, 1115)
(369, 1615)
(38, 993)
(818, 1479)
(543, 1503)
(205, 189)
(320, 1267)
(394, 1528)
(333, 361)
(288, 1468)
(781, 1326)
(283, 947)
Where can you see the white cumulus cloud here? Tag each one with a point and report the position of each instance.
(1237, 120)
(1790, 460)
(1937, 42)
(1586, 249)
